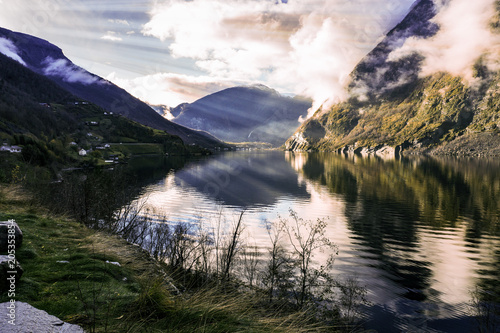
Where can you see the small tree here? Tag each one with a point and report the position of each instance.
(351, 297)
(279, 269)
(231, 247)
(306, 238)
(485, 310)
(249, 262)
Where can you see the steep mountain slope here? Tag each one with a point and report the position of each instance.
(21, 92)
(51, 124)
(47, 59)
(376, 74)
(255, 113)
(394, 108)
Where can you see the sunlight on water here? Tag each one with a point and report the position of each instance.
(420, 233)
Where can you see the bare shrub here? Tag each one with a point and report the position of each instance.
(305, 239)
(485, 311)
(249, 262)
(278, 272)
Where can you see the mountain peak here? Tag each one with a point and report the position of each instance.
(245, 113)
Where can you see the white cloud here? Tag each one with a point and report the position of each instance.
(464, 36)
(8, 48)
(304, 47)
(68, 72)
(171, 89)
(118, 21)
(112, 36)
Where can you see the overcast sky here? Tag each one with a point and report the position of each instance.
(174, 51)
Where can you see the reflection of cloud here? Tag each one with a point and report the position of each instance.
(305, 47)
(68, 72)
(464, 36)
(10, 50)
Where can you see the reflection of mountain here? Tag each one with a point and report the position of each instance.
(244, 179)
(391, 204)
(147, 170)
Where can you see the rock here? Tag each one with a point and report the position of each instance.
(5, 227)
(30, 319)
(386, 151)
(10, 272)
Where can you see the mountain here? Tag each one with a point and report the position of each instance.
(47, 59)
(393, 108)
(52, 126)
(241, 114)
(376, 74)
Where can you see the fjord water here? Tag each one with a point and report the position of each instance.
(420, 233)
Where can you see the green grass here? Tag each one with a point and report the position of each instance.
(138, 149)
(132, 297)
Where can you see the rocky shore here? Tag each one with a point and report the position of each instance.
(484, 144)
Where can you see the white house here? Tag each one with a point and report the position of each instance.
(11, 149)
(15, 149)
(82, 152)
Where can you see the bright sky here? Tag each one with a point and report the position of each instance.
(174, 51)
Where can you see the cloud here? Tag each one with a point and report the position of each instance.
(118, 21)
(304, 47)
(174, 89)
(8, 48)
(112, 36)
(68, 72)
(465, 35)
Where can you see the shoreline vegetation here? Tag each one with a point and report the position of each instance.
(86, 274)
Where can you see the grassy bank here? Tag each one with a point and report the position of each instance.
(104, 284)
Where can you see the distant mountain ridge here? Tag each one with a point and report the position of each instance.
(393, 109)
(47, 59)
(248, 113)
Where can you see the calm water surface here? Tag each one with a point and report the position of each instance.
(419, 233)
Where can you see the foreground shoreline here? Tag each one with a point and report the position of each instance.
(105, 284)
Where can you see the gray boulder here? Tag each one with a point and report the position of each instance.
(5, 227)
(20, 317)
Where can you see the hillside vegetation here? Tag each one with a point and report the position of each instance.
(425, 114)
(51, 125)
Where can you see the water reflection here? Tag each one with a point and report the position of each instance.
(243, 179)
(420, 233)
(432, 225)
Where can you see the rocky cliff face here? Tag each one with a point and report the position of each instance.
(393, 109)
